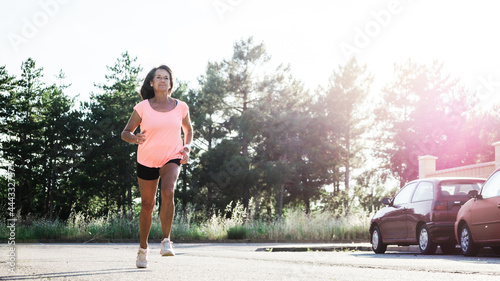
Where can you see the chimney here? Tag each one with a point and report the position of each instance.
(497, 154)
(427, 164)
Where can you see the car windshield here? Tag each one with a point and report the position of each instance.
(458, 189)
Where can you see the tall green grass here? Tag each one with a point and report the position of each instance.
(233, 223)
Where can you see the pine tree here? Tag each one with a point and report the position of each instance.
(423, 112)
(243, 85)
(109, 162)
(22, 128)
(60, 122)
(342, 112)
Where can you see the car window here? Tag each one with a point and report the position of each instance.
(458, 189)
(404, 195)
(491, 187)
(424, 192)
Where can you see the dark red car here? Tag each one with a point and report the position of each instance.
(422, 213)
(478, 222)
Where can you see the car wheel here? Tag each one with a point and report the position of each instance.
(466, 242)
(496, 250)
(377, 245)
(427, 247)
(448, 248)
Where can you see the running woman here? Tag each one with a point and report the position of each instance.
(160, 153)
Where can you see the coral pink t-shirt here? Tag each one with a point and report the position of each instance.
(163, 134)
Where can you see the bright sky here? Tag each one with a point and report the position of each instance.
(81, 37)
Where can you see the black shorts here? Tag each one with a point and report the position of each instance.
(147, 173)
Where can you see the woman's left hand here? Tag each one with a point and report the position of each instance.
(185, 155)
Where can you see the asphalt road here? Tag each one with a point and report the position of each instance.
(241, 262)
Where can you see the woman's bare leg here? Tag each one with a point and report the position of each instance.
(148, 198)
(169, 174)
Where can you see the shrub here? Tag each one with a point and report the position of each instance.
(237, 232)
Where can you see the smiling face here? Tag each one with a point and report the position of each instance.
(162, 82)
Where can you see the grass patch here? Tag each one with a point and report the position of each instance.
(231, 224)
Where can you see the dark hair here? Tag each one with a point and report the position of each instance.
(147, 90)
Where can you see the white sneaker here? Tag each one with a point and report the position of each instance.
(166, 248)
(142, 258)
